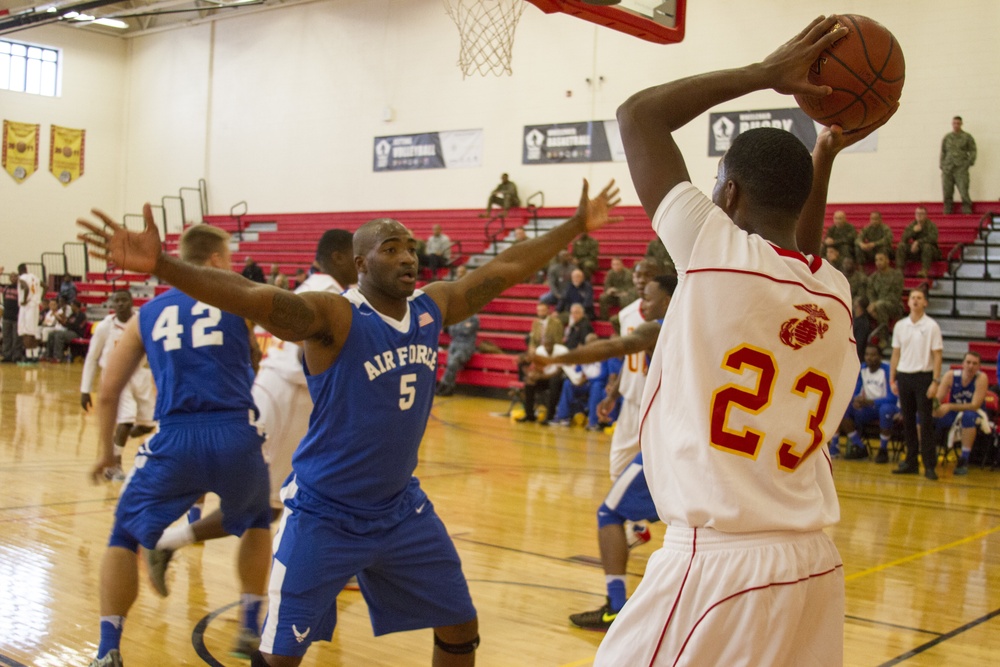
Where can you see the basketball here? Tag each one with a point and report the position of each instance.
(865, 69)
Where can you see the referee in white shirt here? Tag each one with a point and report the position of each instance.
(914, 371)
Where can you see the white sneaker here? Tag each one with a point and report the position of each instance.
(636, 534)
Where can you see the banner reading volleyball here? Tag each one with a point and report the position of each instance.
(20, 149)
(66, 153)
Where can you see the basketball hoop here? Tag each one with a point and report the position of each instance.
(487, 31)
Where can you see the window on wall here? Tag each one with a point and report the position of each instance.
(27, 68)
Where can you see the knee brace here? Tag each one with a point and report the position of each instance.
(607, 516)
(454, 649)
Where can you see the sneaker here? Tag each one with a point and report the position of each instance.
(906, 469)
(561, 422)
(525, 418)
(962, 469)
(157, 560)
(930, 474)
(112, 658)
(855, 452)
(599, 619)
(352, 585)
(115, 474)
(247, 641)
(637, 534)
(882, 456)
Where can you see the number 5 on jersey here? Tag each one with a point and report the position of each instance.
(169, 329)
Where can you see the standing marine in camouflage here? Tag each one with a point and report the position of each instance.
(958, 153)
(463, 346)
(919, 241)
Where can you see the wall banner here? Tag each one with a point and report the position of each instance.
(450, 149)
(724, 127)
(586, 141)
(66, 151)
(20, 149)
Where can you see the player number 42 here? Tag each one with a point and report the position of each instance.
(758, 399)
(169, 329)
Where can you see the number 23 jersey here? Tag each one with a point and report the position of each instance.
(753, 370)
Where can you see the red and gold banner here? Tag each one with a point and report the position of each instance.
(66, 153)
(20, 149)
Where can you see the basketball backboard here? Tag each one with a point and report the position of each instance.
(656, 21)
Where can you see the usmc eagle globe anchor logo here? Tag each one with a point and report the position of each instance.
(796, 333)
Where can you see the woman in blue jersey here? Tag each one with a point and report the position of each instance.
(353, 505)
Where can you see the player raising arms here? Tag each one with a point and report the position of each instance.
(353, 505)
(754, 362)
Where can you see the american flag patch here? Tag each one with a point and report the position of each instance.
(425, 319)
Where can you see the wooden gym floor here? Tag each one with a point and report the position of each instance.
(922, 559)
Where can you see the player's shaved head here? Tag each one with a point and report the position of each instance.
(371, 234)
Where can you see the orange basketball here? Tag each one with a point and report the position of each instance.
(865, 69)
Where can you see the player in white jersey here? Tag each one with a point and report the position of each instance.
(754, 363)
(625, 440)
(138, 399)
(29, 296)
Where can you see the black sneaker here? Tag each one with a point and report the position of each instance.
(930, 474)
(905, 469)
(599, 619)
(882, 456)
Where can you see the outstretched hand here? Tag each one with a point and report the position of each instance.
(788, 66)
(595, 211)
(111, 242)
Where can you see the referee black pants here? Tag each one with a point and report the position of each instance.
(913, 401)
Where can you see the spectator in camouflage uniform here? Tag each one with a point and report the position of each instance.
(460, 350)
(841, 234)
(919, 241)
(885, 291)
(958, 153)
(558, 276)
(618, 288)
(856, 277)
(504, 196)
(834, 258)
(875, 237)
(585, 252)
(657, 252)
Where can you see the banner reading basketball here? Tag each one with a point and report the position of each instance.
(586, 141)
(449, 149)
(20, 149)
(66, 153)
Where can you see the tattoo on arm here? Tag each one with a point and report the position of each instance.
(480, 295)
(290, 312)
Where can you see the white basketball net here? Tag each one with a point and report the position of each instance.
(487, 31)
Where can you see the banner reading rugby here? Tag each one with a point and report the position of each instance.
(725, 126)
(451, 149)
(587, 141)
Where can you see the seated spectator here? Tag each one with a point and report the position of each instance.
(856, 277)
(252, 270)
(504, 195)
(875, 237)
(863, 328)
(277, 278)
(559, 272)
(461, 271)
(548, 379)
(546, 323)
(885, 293)
(460, 350)
(841, 235)
(919, 241)
(13, 347)
(438, 251)
(67, 289)
(618, 288)
(52, 320)
(300, 277)
(657, 253)
(585, 251)
(832, 255)
(519, 235)
(873, 401)
(610, 370)
(578, 291)
(578, 327)
(576, 389)
(961, 394)
(75, 327)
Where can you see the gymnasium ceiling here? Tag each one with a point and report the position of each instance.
(138, 16)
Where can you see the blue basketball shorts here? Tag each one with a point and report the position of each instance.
(191, 455)
(628, 499)
(408, 570)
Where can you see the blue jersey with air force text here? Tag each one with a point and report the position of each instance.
(199, 356)
(371, 409)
